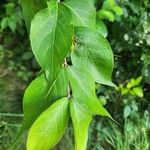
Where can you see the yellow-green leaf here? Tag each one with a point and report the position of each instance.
(81, 119)
(49, 127)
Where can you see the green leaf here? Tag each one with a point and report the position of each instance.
(137, 91)
(138, 81)
(127, 111)
(9, 7)
(35, 100)
(30, 8)
(118, 10)
(4, 23)
(83, 88)
(106, 14)
(111, 6)
(108, 4)
(60, 88)
(81, 119)
(12, 24)
(83, 12)
(101, 27)
(103, 100)
(134, 106)
(51, 38)
(49, 127)
(94, 55)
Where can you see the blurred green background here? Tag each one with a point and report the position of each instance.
(128, 30)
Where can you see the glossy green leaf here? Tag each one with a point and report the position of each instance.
(81, 119)
(83, 89)
(35, 100)
(51, 37)
(83, 12)
(49, 127)
(94, 55)
(101, 27)
(30, 8)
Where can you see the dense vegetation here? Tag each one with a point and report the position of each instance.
(129, 35)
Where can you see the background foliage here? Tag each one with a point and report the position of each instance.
(129, 35)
